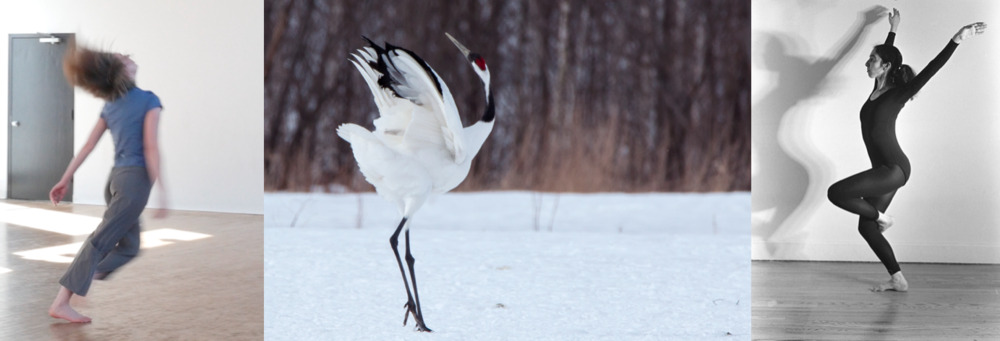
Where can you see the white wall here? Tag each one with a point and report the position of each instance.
(806, 131)
(202, 58)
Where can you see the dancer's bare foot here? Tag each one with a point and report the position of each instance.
(60, 308)
(897, 283)
(884, 222)
(65, 312)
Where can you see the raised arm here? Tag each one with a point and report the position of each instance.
(151, 150)
(918, 82)
(968, 31)
(894, 20)
(59, 190)
(893, 25)
(890, 39)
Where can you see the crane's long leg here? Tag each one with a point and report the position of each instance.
(394, 241)
(419, 315)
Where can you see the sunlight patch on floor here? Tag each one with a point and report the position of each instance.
(4, 270)
(53, 221)
(159, 237)
(150, 239)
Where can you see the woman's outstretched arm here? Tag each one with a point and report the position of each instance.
(151, 149)
(968, 31)
(59, 190)
(918, 81)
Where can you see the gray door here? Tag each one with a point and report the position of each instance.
(40, 119)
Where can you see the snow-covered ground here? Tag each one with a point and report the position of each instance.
(511, 266)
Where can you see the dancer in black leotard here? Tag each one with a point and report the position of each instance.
(869, 193)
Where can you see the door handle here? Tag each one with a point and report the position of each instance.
(15, 123)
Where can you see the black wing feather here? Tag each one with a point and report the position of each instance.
(383, 60)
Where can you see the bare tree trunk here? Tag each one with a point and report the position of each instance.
(590, 95)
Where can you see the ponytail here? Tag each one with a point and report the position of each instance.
(901, 75)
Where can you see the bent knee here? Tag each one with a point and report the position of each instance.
(834, 193)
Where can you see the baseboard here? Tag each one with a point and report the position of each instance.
(853, 252)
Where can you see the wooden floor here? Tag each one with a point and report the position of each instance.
(199, 276)
(831, 301)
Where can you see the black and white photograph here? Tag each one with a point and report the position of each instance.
(874, 169)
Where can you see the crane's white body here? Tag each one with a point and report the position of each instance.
(419, 146)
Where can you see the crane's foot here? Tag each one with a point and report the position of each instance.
(417, 318)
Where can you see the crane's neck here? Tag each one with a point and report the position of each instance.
(477, 133)
(490, 113)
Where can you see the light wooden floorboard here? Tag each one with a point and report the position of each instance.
(831, 301)
(205, 289)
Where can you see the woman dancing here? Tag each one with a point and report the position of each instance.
(132, 115)
(869, 193)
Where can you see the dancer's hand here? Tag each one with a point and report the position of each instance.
(968, 31)
(872, 15)
(58, 192)
(893, 20)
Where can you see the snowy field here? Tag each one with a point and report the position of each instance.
(511, 266)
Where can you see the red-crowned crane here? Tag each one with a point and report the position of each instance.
(419, 146)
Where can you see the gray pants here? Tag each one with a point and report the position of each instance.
(116, 240)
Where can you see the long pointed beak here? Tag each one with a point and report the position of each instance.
(461, 47)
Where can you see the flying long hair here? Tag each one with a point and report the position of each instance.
(899, 73)
(100, 73)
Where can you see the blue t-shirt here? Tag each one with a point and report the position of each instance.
(125, 117)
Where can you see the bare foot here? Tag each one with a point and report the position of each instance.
(65, 312)
(885, 221)
(897, 283)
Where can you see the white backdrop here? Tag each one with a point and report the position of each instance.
(808, 85)
(202, 58)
